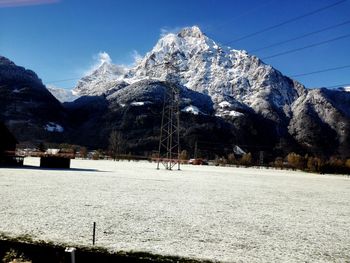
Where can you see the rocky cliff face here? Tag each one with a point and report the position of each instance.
(321, 120)
(226, 75)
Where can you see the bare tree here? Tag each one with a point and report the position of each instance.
(231, 158)
(246, 159)
(83, 152)
(116, 143)
(184, 155)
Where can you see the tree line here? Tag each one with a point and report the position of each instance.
(118, 146)
(294, 161)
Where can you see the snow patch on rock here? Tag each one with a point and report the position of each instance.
(140, 103)
(224, 104)
(16, 91)
(54, 127)
(347, 89)
(191, 109)
(231, 113)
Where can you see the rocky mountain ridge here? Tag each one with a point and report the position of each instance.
(193, 60)
(26, 106)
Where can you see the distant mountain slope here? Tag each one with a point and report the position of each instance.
(26, 106)
(106, 76)
(153, 92)
(135, 111)
(321, 120)
(63, 95)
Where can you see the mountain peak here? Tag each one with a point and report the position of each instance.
(103, 76)
(6, 61)
(193, 31)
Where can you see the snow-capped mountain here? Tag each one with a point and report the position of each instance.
(227, 75)
(63, 95)
(195, 61)
(347, 89)
(101, 79)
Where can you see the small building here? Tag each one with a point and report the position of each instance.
(8, 144)
(55, 162)
(56, 158)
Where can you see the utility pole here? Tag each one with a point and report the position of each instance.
(195, 149)
(261, 157)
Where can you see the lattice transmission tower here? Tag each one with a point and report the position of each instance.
(169, 139)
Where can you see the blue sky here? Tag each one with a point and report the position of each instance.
(60, 39)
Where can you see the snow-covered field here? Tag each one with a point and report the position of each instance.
(226, 214)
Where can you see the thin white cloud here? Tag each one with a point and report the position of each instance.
(168, 30)
(103, 57)
(98, 60)
(136, 56)
(18, 3)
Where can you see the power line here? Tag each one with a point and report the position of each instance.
(300, 37)
(338, 86)
(286, 22)
(291, 76)
(61, 80)
(333, 86)
(306, 47)
(240, 16)
(226, 145)
(319, 71)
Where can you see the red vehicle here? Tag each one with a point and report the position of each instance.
(198, 161)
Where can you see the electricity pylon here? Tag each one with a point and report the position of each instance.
(169, 141)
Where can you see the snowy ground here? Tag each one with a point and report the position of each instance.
(226, 214)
